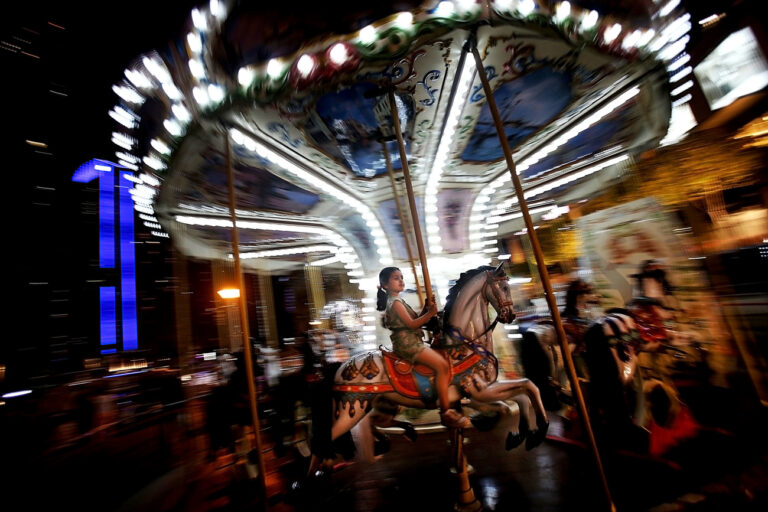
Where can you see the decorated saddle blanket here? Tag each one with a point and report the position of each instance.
(418, 380)
(368, 374)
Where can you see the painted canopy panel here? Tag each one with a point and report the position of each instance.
(525, 108)
(394, 229)
(350, 123)
(612, 131)
(255, 187)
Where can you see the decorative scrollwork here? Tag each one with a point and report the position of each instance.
(465, 127)
(283, 135)
(421, 132)
(520, 59)
(476, 94)
(431, 76)
(403, 71)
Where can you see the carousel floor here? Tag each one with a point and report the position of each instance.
(716, 470)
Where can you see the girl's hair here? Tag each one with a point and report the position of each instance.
(381, 295)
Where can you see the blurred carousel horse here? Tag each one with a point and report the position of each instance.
(622, 392)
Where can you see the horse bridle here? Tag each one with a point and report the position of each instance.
(495, 292)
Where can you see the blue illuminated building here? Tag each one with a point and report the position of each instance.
(117, 303)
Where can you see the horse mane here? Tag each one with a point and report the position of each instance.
(464, 278)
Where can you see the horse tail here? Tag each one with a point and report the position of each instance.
(322, 413)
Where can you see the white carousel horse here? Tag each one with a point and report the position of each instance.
(378, 380)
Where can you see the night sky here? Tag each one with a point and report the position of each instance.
(59, 63)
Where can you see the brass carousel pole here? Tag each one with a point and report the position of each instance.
(467, 500)
(402, 221)
(411, 197)
(244, 319)
(549, 294)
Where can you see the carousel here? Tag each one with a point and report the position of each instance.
(416, 134)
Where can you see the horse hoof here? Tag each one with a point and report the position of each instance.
(381, 446)
(409, 432)
(513, 440)
(453, 419)
(536, 437)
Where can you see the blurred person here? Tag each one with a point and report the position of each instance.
(407, 340)
(297, 365)
(582, 308)
(650, 305)
(227, 407)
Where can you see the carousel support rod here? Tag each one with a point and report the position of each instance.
(247, 352)
(549, 294)
(396, 195)
(467, 501)
(411, 197)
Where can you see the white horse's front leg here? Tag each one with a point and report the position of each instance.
(516, 389)
(509, 418)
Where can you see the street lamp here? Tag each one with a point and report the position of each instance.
(229, 293)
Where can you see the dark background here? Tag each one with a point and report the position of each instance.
(59, 63)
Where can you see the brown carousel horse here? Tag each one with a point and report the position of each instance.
(372, 386)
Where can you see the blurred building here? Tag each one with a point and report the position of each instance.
(55, 110)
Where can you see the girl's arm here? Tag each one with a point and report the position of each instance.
(408, 320)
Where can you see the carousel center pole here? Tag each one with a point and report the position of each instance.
(247, 353)
(467, 501)
(549, 294)
(402, 221)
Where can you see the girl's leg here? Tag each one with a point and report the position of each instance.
(448, 416)
(435, 361)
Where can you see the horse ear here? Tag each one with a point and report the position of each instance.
(499, 271)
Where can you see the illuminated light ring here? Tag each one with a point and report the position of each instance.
(346, 252)
(600, 111)
(374, 226)
(333, 61)
(300, 78)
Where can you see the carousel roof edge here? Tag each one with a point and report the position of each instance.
(189, 87)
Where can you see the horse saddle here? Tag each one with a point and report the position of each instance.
(418, 380)
(413, 380)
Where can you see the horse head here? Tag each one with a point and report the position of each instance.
(497, 291)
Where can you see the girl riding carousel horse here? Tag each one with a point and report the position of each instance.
(407, 341)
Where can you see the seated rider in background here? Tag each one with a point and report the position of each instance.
(407, 341)
(581, 310)
(653, 317)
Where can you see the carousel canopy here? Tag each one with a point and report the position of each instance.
(299, 99)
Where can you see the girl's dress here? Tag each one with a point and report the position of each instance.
(406, 343)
